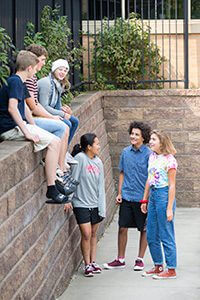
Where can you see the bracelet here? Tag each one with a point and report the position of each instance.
(144, 201)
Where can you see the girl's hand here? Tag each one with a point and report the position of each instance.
(169, 214)
(144, 208)
(67, 109)
(67, 116)
(68, 206)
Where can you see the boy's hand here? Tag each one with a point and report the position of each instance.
(68, 206)
(57, 118)
(31, 137)
(118, 199)
(144, 208)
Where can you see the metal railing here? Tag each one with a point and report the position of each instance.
(168, 20)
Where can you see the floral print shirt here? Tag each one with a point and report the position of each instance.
(159, 165)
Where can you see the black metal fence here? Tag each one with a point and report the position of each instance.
(168, 20)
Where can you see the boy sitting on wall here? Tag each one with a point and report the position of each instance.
(16, 122)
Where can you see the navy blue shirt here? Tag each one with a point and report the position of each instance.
(16, 89)
(134, 164)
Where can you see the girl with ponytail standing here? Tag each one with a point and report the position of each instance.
(88, 200)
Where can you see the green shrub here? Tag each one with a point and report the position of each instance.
(7, 50)
(122, 54)
(55, 36)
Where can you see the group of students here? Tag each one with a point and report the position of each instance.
(31, 110)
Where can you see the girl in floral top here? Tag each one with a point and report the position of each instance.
(160, 189)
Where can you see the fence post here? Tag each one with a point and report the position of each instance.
(186, 52)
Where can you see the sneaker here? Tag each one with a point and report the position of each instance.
(88, 271)
(58, 199)
(155, 270)
(168, 274)
(96, 268)
(70, 160)
(139, 265)
(115, 264)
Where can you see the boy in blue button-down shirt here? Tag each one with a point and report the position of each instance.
(133, 168)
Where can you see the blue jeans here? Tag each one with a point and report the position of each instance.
(72, 123)
(53, 126)
(159, 230)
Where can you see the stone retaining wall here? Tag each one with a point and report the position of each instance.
(39, 248)
(175, 111)
(39, 243)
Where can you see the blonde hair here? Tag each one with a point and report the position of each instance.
(26, 59)
(166, 145)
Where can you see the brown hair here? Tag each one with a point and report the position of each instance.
(38, 50)
(166, 145)
(25, 59)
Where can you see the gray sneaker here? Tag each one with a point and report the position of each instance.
(70, 160)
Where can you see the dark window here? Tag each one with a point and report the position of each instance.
(104, 8)
(195, 9)
(147, 9)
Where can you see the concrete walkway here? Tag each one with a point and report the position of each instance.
(126, 284)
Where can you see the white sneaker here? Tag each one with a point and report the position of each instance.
(70, 160)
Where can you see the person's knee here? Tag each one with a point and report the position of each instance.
(86, 236)
(123, 230)
(55, 143)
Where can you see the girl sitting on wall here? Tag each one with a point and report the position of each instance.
(50, 89)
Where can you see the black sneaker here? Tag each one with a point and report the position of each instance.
(65, 189)
(59, 199)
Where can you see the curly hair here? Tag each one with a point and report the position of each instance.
(145, 130)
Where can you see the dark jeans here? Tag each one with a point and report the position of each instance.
(73, 125)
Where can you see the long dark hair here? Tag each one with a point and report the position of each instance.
(85, 141)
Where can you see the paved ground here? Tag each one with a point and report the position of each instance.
(127, 284)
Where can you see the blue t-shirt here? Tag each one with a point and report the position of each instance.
(16, 89)
(134, 164)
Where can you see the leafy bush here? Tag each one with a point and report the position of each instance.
(55, 36)
(123, 55)
(7, 50)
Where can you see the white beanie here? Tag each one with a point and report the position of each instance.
(60, 63)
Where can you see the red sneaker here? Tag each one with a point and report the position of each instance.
(88, 271)
(96, 268)
(115, 264)
(168, 274)
(155, 270)
(139, 265)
